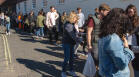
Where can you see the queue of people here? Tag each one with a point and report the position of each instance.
(109, 35)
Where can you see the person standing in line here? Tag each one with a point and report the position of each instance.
(93, 31)
(131, 11)
(80, 24)
(51, 18)
(57, 28)
(70, 38)
(32, 20)
(40, 25)
(19, 20)
(63, 20)
(7, 23)
(2, 19)
(114, 52)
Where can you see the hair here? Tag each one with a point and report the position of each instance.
(79, 8)
(90, 15)
(115, 22)
(52, 7)
(104, 7)
(135, 18)
(64, 12)
(40, 13)
(71, 17)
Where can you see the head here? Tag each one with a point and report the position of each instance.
(98, 15)
(52, 8)
(131, 11)
(115, 22)
(2, 13)
(89, 16)
(96, 10)
(104, 9)
(79, 10)
(64, 13)
(73, 18)
(40, 13)
(5, 16)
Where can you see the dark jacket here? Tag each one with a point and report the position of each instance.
(70, 34)
(137, 34)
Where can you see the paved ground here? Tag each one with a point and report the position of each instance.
(21, 56)
(34, 58)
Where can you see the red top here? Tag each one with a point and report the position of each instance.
(90, 22)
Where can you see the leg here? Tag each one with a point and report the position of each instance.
(8, 28)
(38, 32)
(66, 48)
(71, 61)
(76, 48)
(131, 69)
(42, 31)
(50, 34)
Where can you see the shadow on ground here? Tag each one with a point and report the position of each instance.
(40, 67)
(78, 64)
(55, 48)
(52, 53)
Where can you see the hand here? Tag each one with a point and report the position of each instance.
(81, 30)
(90, 49)
(125, 42)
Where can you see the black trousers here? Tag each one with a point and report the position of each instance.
(53, 34)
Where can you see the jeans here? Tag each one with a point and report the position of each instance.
(40, 31)
(8, 28)
(68, 56)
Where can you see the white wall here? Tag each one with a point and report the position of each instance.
(88, 6)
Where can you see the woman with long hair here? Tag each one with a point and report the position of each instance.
(114, 53)
(133, 39)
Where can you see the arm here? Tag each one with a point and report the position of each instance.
(57, 16)
(89, 33)
(120, 55)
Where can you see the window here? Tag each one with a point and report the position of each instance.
(61, 1)
(25, 6)
(33, 4)
(44, 3)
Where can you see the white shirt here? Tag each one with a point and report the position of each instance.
(2, 17)
(132, 39)
(81, 20)
(51, 18)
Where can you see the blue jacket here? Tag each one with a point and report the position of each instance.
(70, 34)
(113, 57)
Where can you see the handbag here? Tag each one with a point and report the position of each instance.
(89, 68)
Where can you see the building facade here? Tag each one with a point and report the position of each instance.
(88, 6)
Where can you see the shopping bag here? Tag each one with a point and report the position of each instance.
(89, 68)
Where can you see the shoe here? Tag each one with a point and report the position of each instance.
(63, 74)
(73, 73)
(6, 33)
(9, 33)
